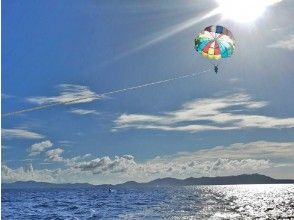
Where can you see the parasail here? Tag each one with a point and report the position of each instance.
(215, 42)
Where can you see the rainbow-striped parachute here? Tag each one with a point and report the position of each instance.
(215, 42)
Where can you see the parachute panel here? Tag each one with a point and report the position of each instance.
(215, 42)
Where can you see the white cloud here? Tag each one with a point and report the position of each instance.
(78, 158)
(28, 173)
(37, 148)
(20, 133)
(221, 113)
(271, 158)
(55, 154)
(287, 44)
(68, 93)
(221, 160)
(22, 174)
(107, 165)
(129, 169)
(84, 111)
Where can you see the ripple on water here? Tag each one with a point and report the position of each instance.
(192, 202)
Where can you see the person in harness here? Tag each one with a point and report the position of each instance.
(215, 69)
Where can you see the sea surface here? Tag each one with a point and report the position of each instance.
(191, 202)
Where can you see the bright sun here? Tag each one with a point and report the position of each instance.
(243, 10)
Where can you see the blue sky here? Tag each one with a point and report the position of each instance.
(240, 120)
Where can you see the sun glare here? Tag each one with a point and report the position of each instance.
(243, 10)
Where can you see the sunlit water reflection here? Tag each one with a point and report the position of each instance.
(192, 202)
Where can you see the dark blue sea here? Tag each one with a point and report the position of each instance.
(192, 202)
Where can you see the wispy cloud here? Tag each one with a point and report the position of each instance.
(20, 133)
(5, 147)
(6, 96)
(274, 151)
(65, 143)
(220, 113)
(68, 93)
(37, 148)
(287, 43)
(84, 111)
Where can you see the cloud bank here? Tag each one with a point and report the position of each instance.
(238, 158)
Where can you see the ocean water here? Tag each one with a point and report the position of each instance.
(192, 202)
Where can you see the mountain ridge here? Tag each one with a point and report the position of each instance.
(167, 181)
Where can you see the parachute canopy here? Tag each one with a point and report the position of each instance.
(215, 42)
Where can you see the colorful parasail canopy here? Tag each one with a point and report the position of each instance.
(215, 42)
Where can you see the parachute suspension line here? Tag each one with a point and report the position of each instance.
(105, 93)
(215, 42)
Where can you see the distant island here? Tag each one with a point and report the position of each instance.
(221, 180)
